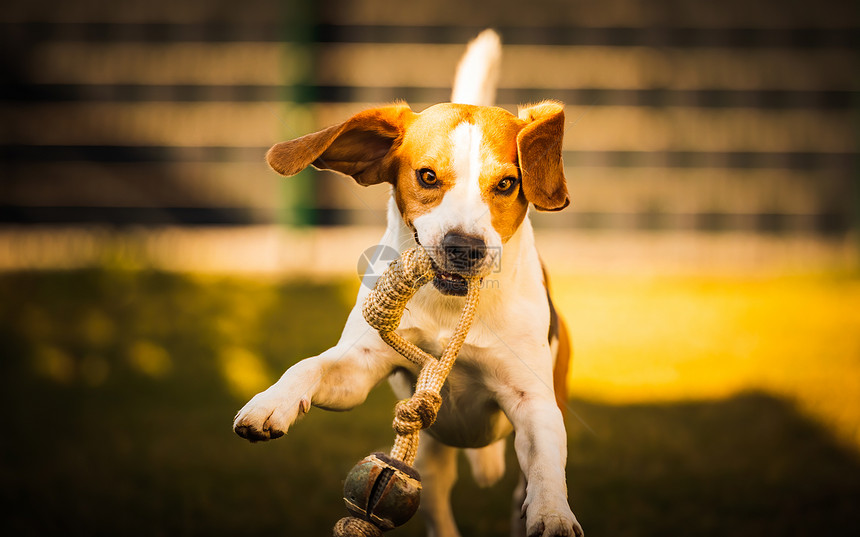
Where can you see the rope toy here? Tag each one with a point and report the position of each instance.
(383, 491)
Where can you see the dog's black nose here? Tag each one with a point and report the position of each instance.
(463, 252)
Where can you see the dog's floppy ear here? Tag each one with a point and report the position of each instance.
(357, 147)
(539, 151)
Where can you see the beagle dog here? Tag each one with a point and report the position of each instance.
(462, 177)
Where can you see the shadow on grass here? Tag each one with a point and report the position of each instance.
(126, 448)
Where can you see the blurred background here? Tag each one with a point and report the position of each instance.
(154, 273)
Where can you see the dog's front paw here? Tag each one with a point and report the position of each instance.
(268, 415)
(559, 522)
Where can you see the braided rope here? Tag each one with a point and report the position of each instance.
(383, 308)
(355, 527)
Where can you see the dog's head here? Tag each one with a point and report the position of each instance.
(463, 175)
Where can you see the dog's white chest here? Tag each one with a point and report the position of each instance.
(470, 415)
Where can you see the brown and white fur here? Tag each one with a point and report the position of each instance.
(462, 178)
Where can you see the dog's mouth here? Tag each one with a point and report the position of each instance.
(449, 283)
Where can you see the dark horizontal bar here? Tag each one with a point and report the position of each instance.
(706, 98)
(713, 159)
(127, 216)
(122, 153)
(828, 223)
(144, 32)
(847, 162)
(681, 36)
(600, 36)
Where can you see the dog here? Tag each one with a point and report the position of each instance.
(463, 176)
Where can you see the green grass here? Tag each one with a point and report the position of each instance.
(682, 338)
(119, 389)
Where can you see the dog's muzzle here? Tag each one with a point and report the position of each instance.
(463, 253)
(459, 255)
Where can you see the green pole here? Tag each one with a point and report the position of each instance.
(855, 172)
(299, 24)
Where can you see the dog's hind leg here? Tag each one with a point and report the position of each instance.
(437, 464)
(488, 463)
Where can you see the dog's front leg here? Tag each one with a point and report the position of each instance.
(541, 446)
(338, 379)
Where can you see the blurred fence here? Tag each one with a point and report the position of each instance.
(684, 117)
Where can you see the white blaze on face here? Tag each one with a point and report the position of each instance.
(462, 209)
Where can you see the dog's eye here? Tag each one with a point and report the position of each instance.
(427, 177)
(506, 184)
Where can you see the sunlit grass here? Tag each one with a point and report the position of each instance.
(244, 372)
(119, 388)
(676, 339)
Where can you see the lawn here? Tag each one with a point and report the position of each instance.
(702, 407)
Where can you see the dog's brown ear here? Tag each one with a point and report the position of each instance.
(539, 151)
(357, 147)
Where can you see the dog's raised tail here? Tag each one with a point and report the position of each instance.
(478, 71)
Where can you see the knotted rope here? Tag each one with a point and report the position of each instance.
(383, 308)
(355, 527)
